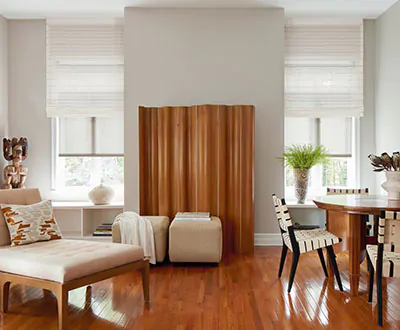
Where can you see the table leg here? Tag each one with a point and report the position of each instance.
(355, 228)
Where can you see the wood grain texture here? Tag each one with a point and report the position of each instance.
(243, 292)
(346, 218)
(357, 204)
(339, 225)
(61, 290)
(200, 158)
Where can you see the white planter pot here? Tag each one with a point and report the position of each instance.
(101, 194)
(392, 184)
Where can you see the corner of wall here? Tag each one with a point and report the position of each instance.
(3, 83)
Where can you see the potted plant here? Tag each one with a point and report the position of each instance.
(301, 158)
(391, 166)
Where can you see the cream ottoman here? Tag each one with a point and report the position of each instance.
(195, 241)
(160, 226)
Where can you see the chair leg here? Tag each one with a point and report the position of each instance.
(332, 258)
(322, 259)
(4, 294)
(371, 279)
(283, 258)
(62, 306)
(295, 261)
(379, 294)
(146, 281)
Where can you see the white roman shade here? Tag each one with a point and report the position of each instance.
(85, 68)
(324, 68)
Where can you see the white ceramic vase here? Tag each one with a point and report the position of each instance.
(392, 184)
(101, 194)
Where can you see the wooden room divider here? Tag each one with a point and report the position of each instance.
(200, 158)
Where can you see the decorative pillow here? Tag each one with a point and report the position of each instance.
(31, 223)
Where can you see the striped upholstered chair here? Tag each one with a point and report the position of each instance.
(384, 258)
(302, 241)
(346, 191)
(370, 239)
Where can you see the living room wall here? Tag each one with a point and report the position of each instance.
(3, 80)
(387, 82)
(197, 56)
(27, 97)
(165, 49)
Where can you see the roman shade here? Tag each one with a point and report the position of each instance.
(85, 68)
(324, 68)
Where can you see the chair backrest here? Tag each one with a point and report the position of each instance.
(388, 240)
(346, 191)
(284, 220)
(16, 197)
(282, 214)
(389, 230)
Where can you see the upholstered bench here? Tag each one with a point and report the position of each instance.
(160, 226)
(61, 265)
(195, 241)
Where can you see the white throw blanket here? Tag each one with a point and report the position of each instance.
(137, 230)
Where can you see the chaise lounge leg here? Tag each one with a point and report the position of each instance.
(146, 281)
(62, 306)
(4, 294)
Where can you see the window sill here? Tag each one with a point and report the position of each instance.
(309, 204)
(63, 205)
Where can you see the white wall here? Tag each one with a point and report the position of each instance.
(197, 56)
(367, 122)
(3, 84)
(387, 87)
(27, 97)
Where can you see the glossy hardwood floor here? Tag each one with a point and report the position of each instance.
(243, 292)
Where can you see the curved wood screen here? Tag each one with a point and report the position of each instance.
(200, 158)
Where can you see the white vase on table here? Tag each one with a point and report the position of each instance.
(392, 184)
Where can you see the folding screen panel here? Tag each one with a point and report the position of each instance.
(200, 158)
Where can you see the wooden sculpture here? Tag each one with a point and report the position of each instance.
(16, 151)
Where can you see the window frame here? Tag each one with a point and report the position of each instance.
(80, 192)
(318, 189)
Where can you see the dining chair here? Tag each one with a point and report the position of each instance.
(384, 258)
(303, 241)
(346, 191)
(370, 239)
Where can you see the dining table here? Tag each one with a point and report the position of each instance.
(346, 217)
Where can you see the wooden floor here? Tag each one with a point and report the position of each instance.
(243, 292)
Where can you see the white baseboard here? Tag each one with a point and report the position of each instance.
(267, 240)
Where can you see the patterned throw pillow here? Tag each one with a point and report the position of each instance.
(31, 223)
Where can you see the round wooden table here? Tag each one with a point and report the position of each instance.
(346, 216)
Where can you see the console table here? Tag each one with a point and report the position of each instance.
(345, 218)
(78, 220)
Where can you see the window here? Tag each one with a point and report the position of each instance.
(338, 136)
(85, 101)
(324, 97)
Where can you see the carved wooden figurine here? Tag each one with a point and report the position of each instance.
(16, 151)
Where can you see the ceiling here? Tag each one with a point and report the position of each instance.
(98, 8)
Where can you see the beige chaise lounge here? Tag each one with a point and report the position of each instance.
(61, 265)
